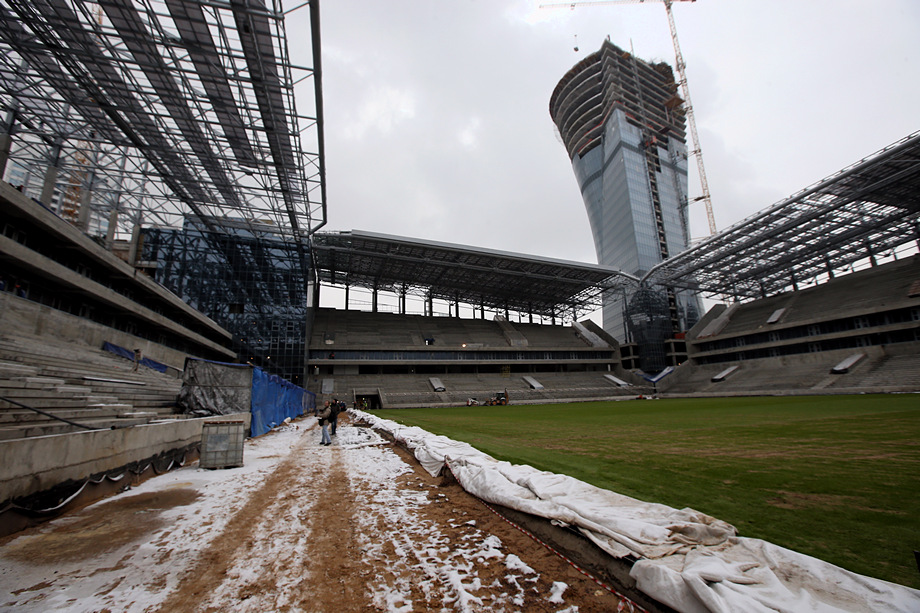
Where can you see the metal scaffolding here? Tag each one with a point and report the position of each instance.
(865, 211)
(162, 112)
(253, 285)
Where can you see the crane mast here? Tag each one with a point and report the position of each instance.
(681, 66)
(691, 120)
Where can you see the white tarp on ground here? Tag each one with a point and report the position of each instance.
(687, 560)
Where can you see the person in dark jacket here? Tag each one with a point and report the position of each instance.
(324, 416)
(336, 408)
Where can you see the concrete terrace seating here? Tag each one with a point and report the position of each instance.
(342, 330)
(754, 315)
(398, 391)
(885, 373)
(856, 293)
(80, 383)
(890, 369)
(541, 336)
(360, 329)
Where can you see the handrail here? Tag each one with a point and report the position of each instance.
(51, 415)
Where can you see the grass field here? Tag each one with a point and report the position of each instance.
(835, 477)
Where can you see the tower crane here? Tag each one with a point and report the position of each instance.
(684, 88)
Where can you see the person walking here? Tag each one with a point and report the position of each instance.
(324, 417)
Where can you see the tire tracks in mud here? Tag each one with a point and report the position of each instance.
(287, 548)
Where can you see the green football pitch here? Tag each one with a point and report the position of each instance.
(835, 477)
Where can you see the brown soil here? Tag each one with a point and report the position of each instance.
(325, 558)
(581, 591)
(89, 534)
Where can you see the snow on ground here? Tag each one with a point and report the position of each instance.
(414, 550)
(134, 575)
(254, 528)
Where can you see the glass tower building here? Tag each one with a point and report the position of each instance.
(623, 126)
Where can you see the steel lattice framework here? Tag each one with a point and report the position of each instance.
(164, 111)
(869, 209)
(493, 279)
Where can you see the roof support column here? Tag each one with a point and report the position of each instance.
(430, 303)
(482, 309)
(830, 269)
(110, 228)
(347, 287)
(374, 298)
(54, 156)
(86, 198)
(135, 240)
(113, 215)
(402, 300)
(312, 302)
(871, 254)
(6, 140)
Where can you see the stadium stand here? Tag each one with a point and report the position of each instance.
(393, 360)
(87, 385)
(792, 342)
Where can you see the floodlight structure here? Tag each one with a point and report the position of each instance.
(168, 112)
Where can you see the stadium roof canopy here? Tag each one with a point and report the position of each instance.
(867, 210)
(163, 111)
(456, 273)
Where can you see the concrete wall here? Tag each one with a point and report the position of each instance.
(120, 278)
(32, 465)
(34, 319)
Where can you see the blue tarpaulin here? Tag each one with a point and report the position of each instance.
(127, 353)
(218, 388)
(273, 400)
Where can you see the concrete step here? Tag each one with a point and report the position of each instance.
(20, 416)
(41, 383)
(8, 432)
(71, 389)
(45, 399)
(15, 369)
(114, 407)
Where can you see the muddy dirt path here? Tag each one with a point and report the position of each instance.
(357, 526)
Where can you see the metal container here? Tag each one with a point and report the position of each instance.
(222, 444)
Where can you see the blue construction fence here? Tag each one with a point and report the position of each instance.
(275, 399)
(220, 388)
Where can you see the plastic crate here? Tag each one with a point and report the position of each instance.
(222, 444)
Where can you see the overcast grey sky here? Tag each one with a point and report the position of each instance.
(437, 122)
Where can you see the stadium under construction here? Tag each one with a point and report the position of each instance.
(164, 194)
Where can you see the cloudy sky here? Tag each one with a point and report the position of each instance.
(437, 122)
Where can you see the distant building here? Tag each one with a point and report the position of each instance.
(623, 126)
